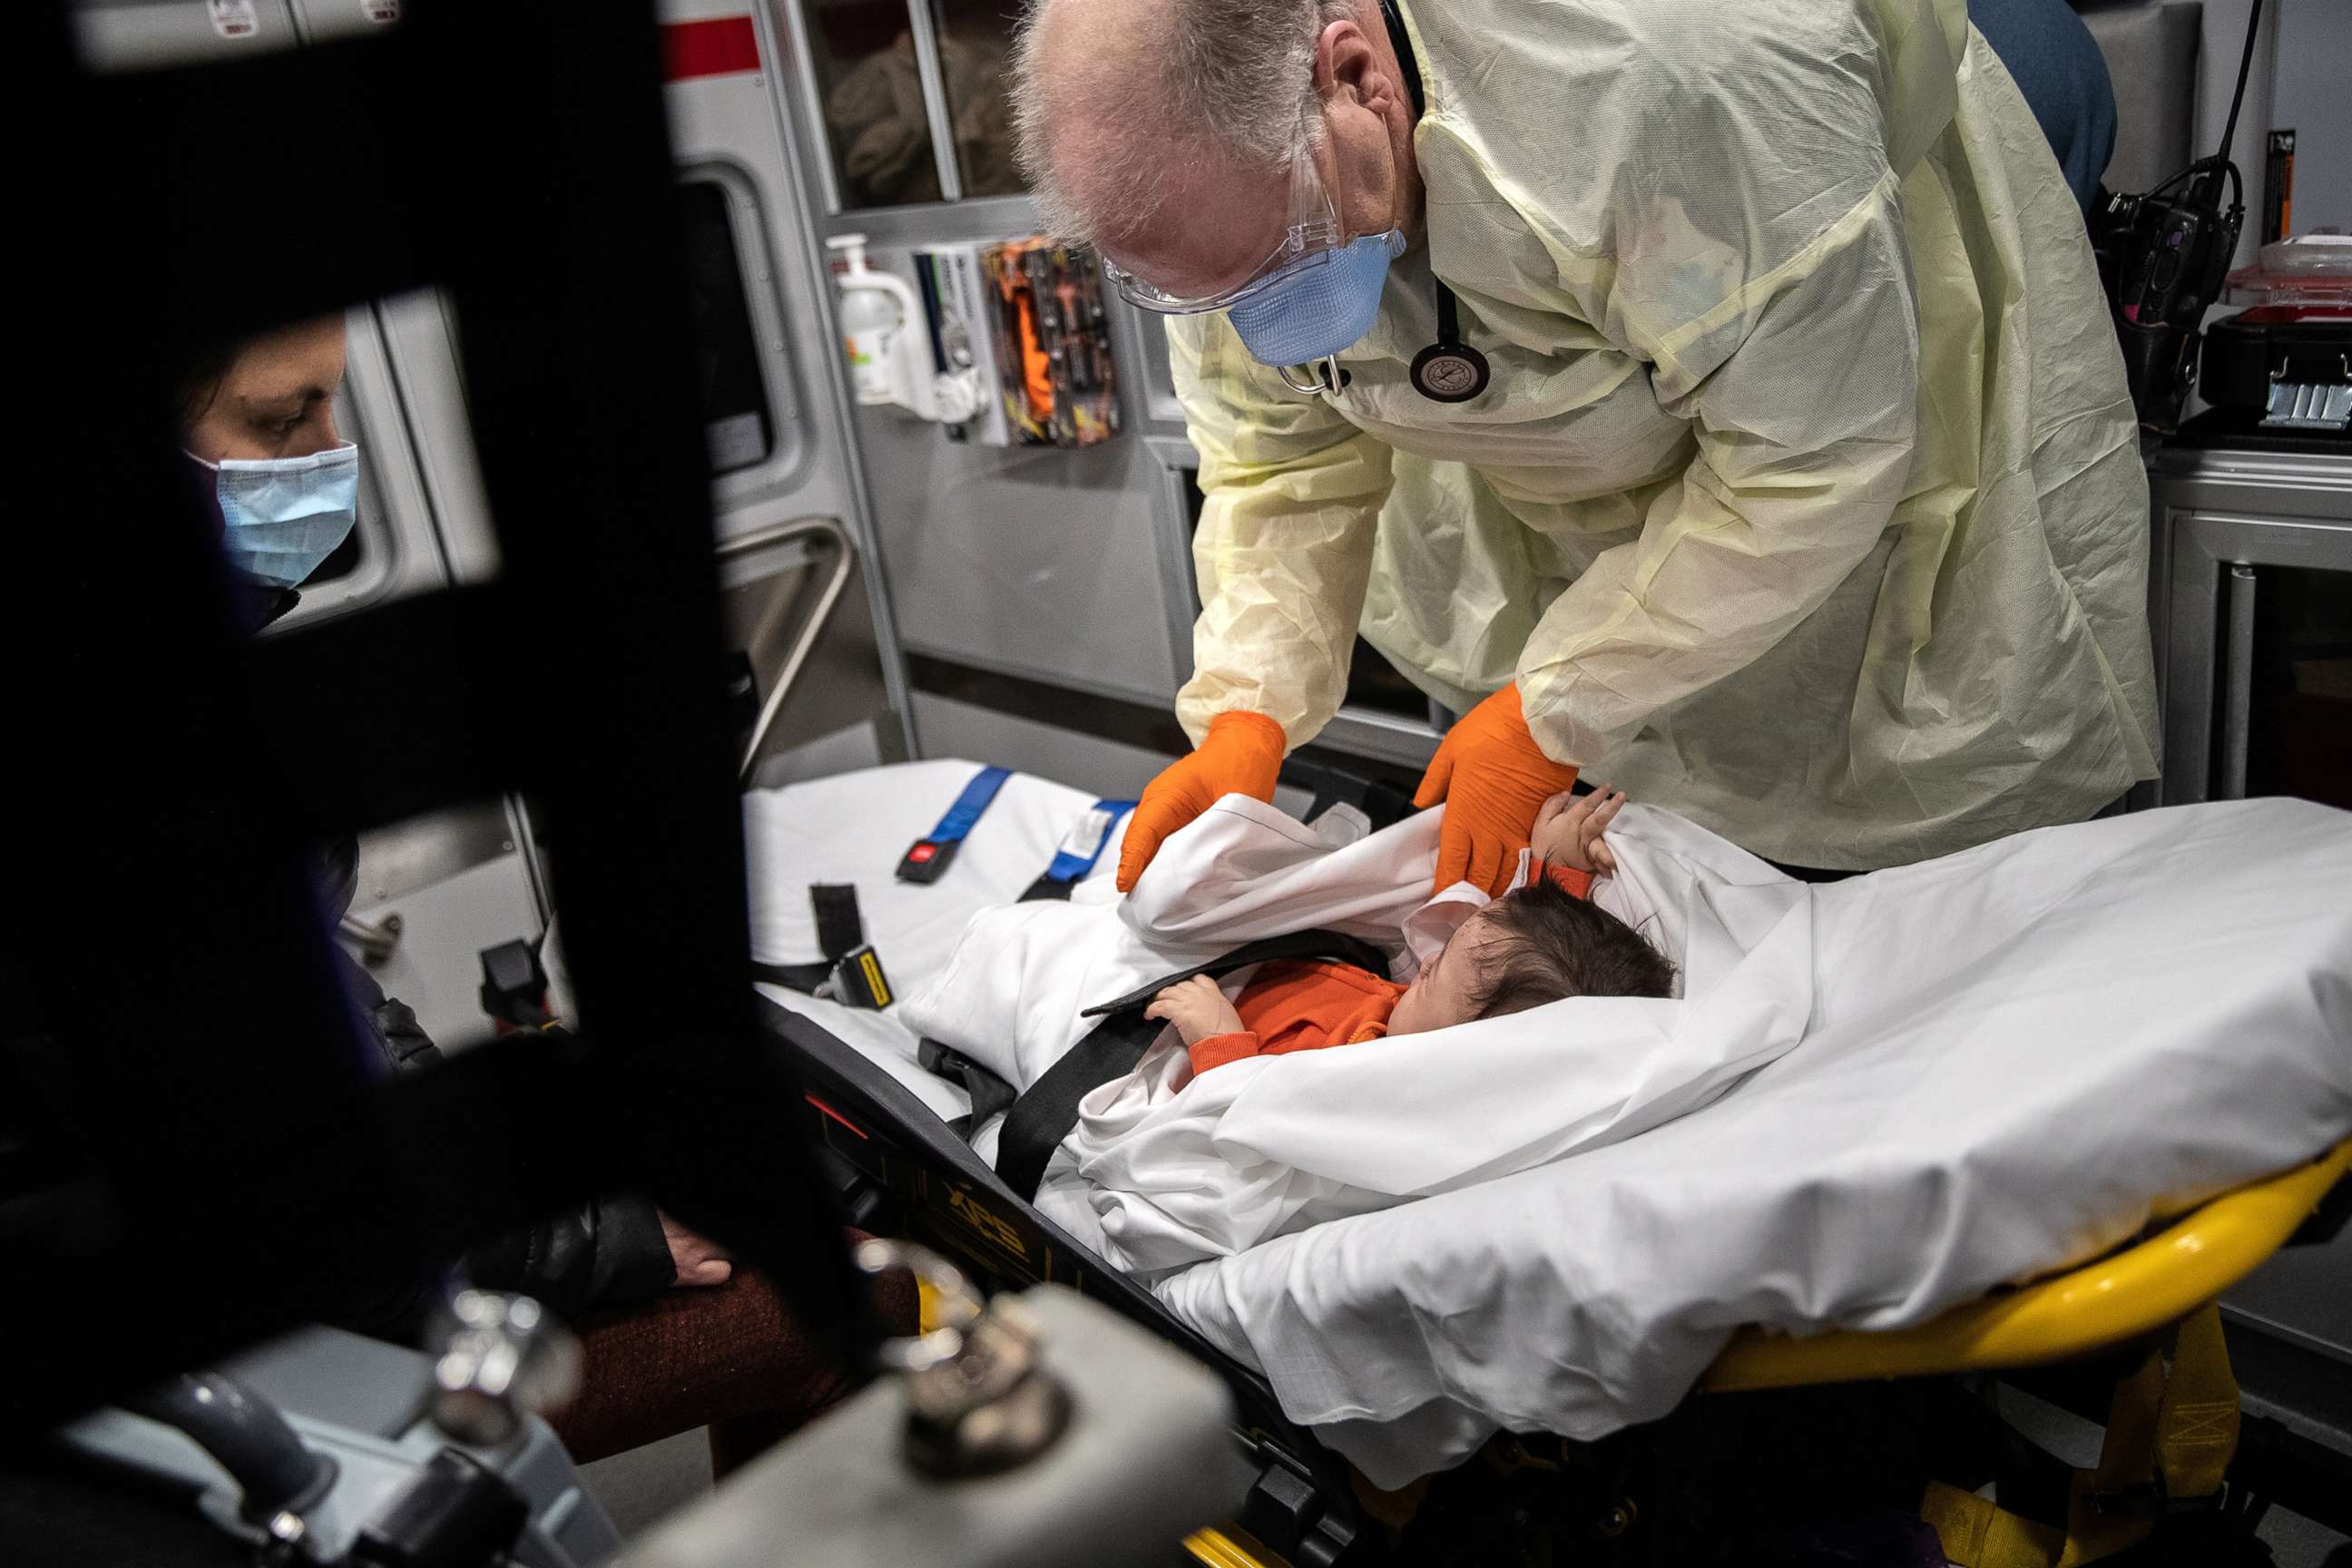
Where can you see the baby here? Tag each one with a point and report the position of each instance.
(1538, 944)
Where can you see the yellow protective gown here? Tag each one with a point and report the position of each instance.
(1806, 498)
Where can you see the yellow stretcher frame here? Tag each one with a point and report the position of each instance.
(2146, 1288)
(2120, 1297)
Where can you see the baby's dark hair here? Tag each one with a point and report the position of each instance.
(1554, 945)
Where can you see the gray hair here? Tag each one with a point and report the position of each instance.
(1232, 77)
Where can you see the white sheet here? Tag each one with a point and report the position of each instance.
(853, 828)
(2016, 1056)
(2001, 1062)
(1162, 1171)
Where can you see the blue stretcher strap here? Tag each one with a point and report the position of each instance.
(928, 859)
(969, 805)
(1085, 843)
(1081, 847)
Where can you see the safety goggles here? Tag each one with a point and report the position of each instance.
(1311, 240)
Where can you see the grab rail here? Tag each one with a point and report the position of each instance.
(2117, 1298)
(844, 561)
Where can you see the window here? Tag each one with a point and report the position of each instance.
(735, 417)
(2300, 739)
(871, 90)
(975, 39)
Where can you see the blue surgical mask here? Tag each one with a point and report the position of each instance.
(1316, 309)
(280, 516)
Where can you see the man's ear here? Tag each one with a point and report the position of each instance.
(1345, 62)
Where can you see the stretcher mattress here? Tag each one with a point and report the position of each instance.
(2010, 1059)
(853, 828)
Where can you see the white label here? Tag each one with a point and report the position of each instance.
(1087, 837)
(380, 10)
(232, 18)
(869, 365)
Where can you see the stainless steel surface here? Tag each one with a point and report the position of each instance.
(788, 669)
(1043, 562)
(422, 850)
(525, 838)
(810, 93)
(1143, 337)
(499, 1359)
(139, 35)
(2151, 54)
(1365, 732)
(979, 1399)
(421, 345)
(2309, 406)
(989, 217)
(922, 29)
(1147, 1460)
(2238, 684)
(322, 20)
(760, 129)
(1172, 529)
(1109, 769)
(2213, 510)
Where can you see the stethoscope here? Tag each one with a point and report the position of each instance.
(1449, 370)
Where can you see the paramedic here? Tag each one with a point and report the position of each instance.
(1719, 394)
(259, 434)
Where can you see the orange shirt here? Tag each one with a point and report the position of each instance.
(1292, 1006)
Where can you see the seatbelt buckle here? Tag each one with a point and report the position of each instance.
(928, 859)
(514, 986)
(858, 982)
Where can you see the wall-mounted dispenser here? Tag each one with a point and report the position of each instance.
(884, 334)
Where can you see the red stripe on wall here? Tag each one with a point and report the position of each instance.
(721, 47)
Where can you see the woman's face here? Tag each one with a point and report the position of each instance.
(278, 397)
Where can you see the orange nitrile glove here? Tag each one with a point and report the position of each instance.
(1240, 754)
(1494, 779)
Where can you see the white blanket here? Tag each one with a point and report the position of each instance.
(1971, 1071)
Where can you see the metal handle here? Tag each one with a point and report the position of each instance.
(496, 1358)
(979, 1397)
(953, 1301)
(845, 560)
(2238, 692)
(374, 939)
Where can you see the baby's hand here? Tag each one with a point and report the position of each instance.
(1197, 1008)
(1569, 828)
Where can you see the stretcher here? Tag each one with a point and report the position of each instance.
(2142, 1311)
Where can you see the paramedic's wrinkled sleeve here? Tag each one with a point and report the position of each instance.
(1801, 381)
(1285, 545)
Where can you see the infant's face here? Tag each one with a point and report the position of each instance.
(1442, 996)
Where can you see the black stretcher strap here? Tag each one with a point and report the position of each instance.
(840, 931)
(1043, 1113)
(990, 1094)
(1297, 947)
